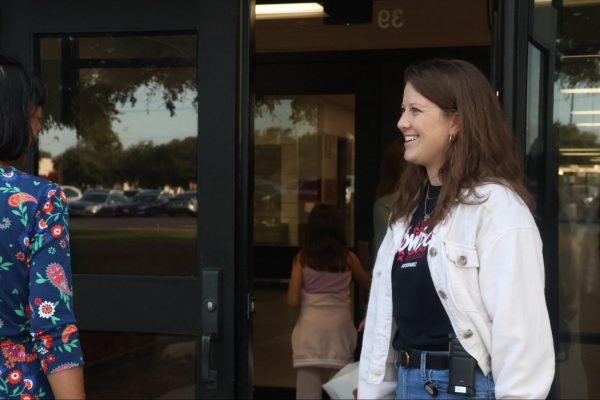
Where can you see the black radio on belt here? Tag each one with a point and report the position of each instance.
(462, 369)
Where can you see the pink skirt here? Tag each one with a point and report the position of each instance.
(324, 335)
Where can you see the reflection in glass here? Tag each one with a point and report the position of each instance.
(534, 140)
(139, 366)
(575, 358)
(577, 119)
(271, 341)
(121, 134)
(304, 154)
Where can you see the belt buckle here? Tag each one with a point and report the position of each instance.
(405, 358)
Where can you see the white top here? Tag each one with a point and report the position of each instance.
(486, 265)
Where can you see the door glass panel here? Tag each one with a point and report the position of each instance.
(304, 155)
(535, 147)
(139, 365)
(577, 116)
(271, 341)
(120, 135)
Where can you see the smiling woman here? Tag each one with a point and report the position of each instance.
(462, 243)
(428, 131)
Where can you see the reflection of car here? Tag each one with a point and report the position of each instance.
(71, 192)
(183, 203)
(145, 202)
(97, 202)
(131, 193)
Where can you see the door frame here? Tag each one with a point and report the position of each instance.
(223, 77)
(512, 23)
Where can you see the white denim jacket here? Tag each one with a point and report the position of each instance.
(486, 265)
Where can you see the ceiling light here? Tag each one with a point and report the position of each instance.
(289, 10)
(590, 112)
(580, 90)
(580, 56)
(580, 154)
(588, 124)
(588, 149)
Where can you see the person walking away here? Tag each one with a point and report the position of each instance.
(324, 338)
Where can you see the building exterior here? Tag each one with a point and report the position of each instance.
(250, 120)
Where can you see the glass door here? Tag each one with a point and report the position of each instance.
(304, 149)
(145, 128)
(524, 60)
(576, 123)
(312, 144)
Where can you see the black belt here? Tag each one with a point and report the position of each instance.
(412, 359)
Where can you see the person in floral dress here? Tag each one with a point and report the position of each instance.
(40, 353)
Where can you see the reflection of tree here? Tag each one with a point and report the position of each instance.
(144, 165)
(83, 166)
(88, 98)
(107, 87)
(273, 135)
(94, 112)
(303, 109)
(173, 163)
(579, 35)
(571, 137)
(93, 99)
(579, 72)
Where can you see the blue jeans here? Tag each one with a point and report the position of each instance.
(411, 381)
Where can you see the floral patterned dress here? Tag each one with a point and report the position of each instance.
(38, 335)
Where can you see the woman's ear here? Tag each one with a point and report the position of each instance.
(455, 124)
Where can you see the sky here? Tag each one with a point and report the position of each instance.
(143, 122)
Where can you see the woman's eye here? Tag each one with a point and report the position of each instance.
(414, 110)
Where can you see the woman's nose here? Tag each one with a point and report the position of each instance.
(403, 122)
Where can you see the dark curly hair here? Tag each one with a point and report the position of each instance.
(16, 97)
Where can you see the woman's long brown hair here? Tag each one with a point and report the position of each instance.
(324, 247)
(482, 151)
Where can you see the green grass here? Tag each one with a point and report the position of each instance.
(134, 251)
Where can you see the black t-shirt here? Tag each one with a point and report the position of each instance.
(418, 312)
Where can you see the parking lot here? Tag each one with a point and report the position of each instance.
(177, 222)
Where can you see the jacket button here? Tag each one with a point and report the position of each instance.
(462, 261)
(467, 334)
(442, 295)
(433, 252)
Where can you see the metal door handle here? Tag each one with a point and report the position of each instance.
(208, 376)
(211, 284)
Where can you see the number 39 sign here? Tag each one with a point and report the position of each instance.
(390, 18)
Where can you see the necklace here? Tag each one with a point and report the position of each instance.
(427, 215)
